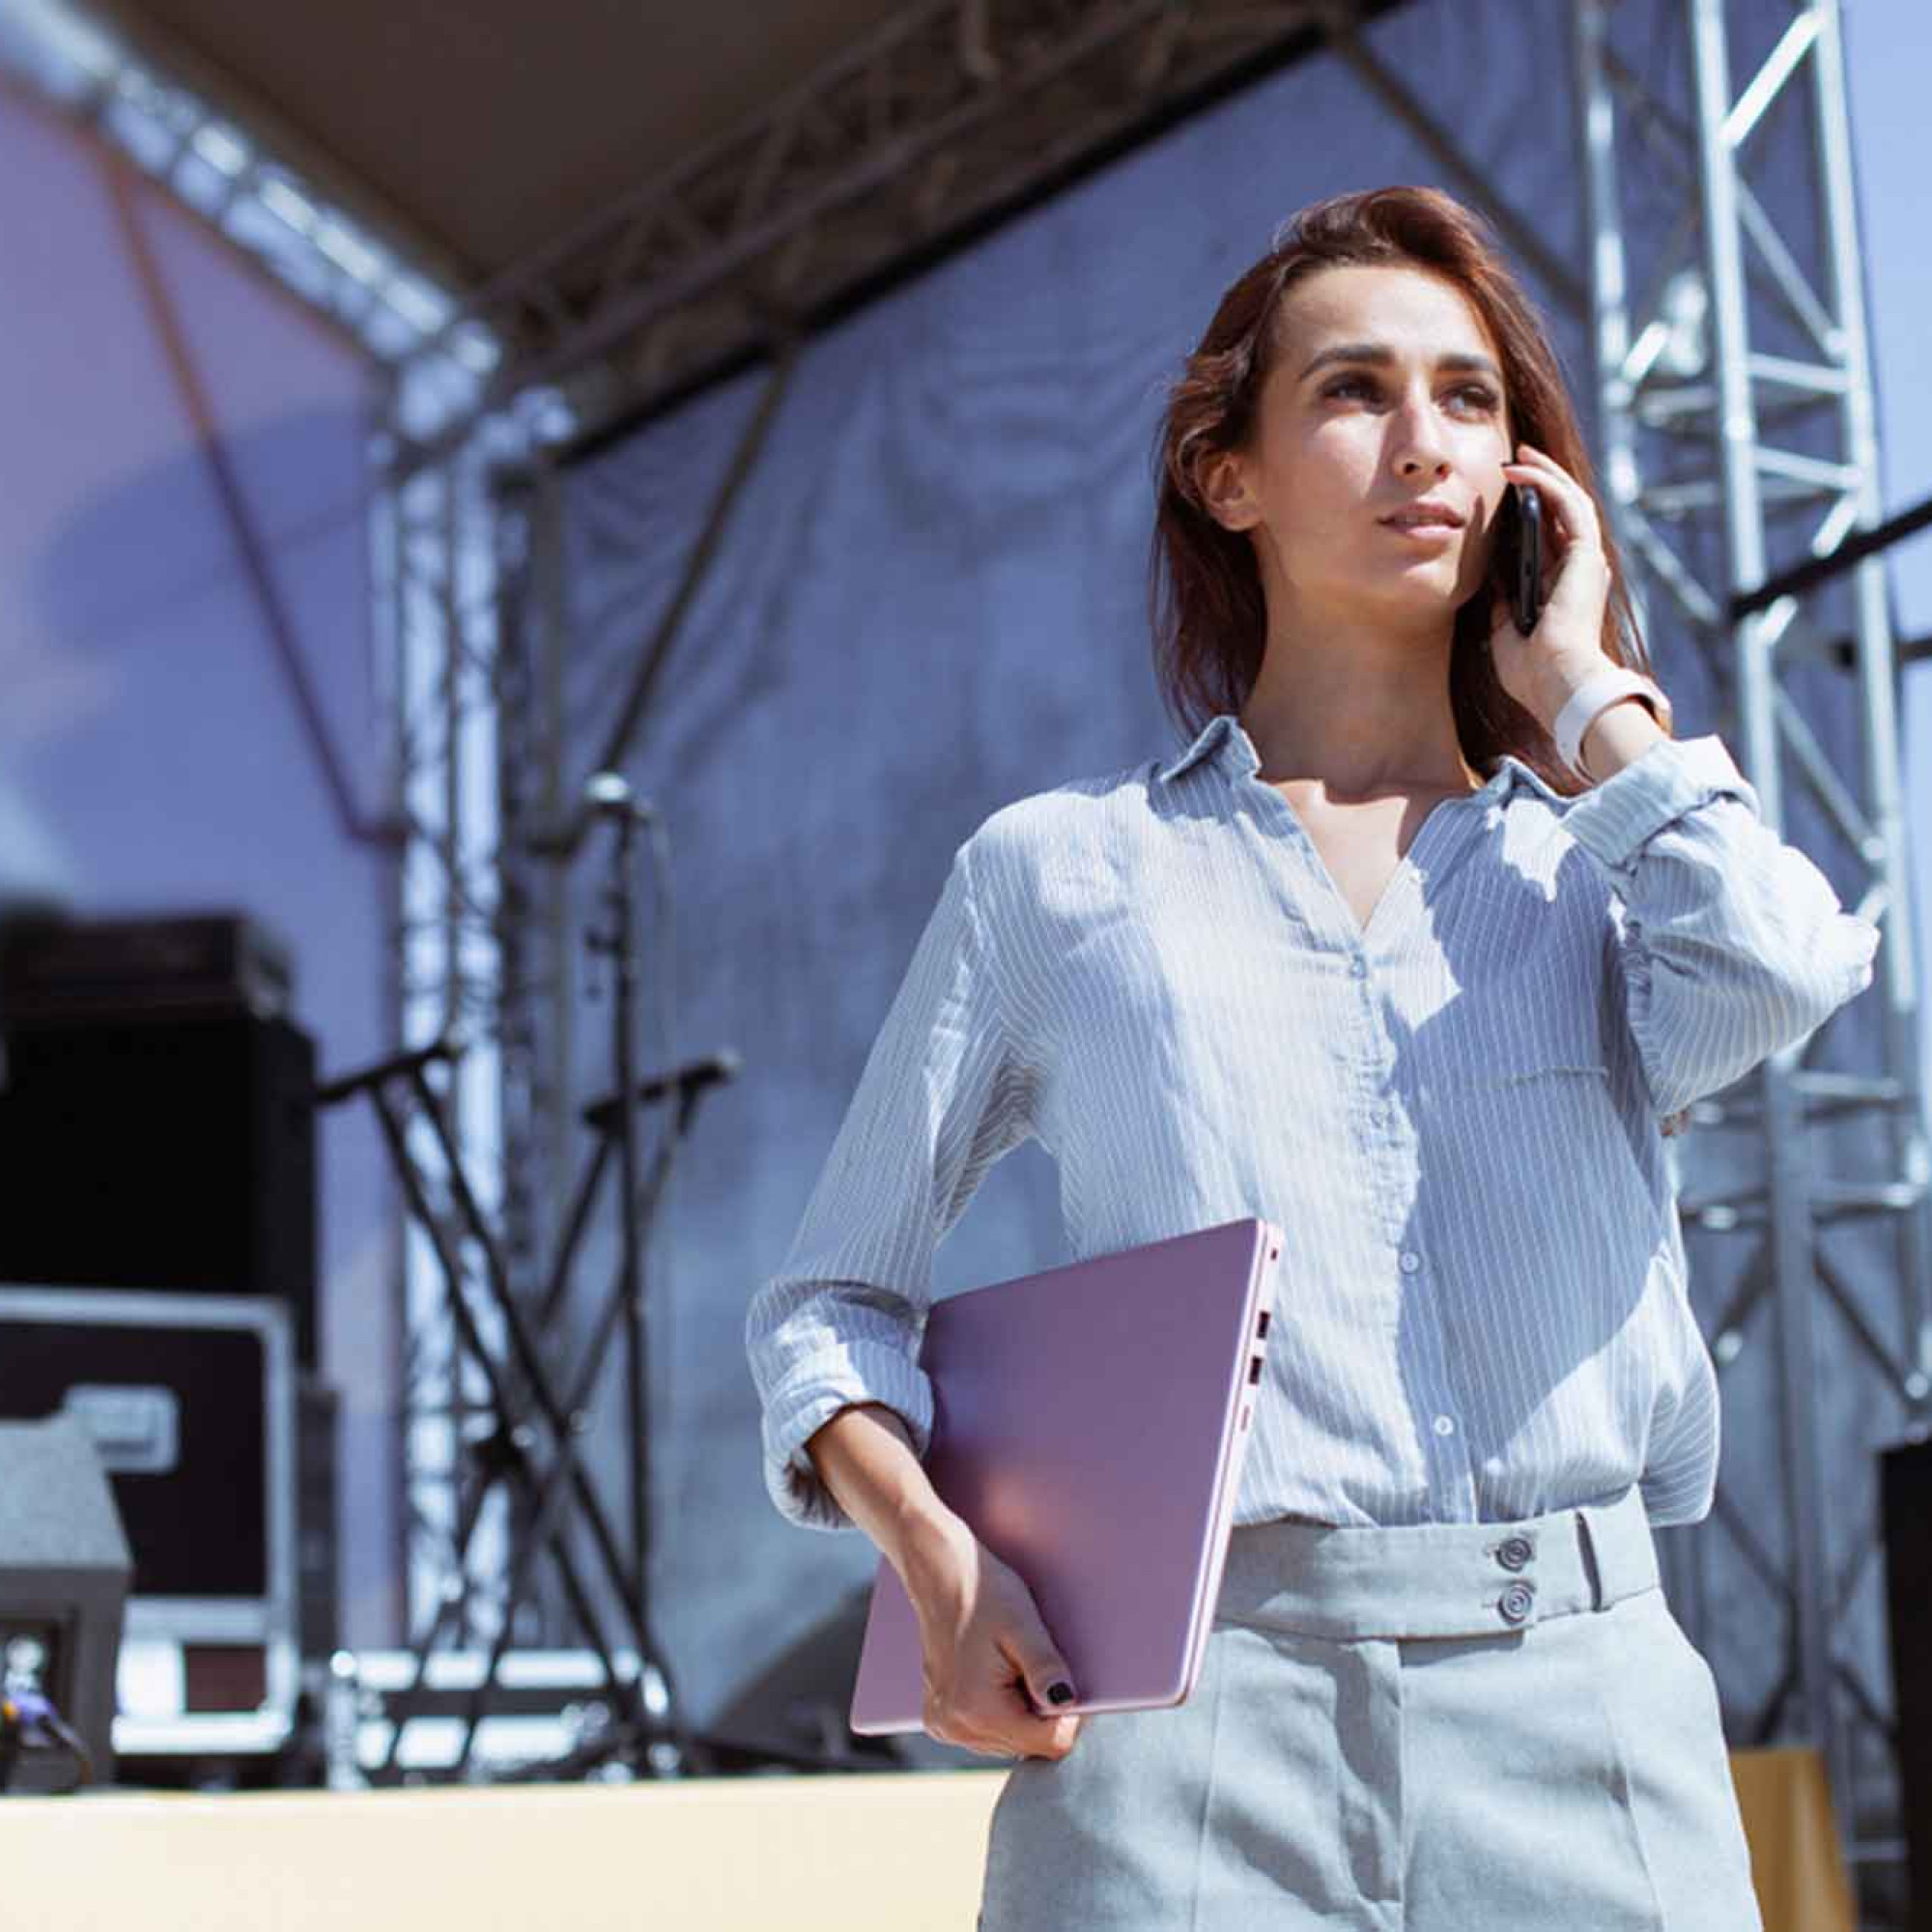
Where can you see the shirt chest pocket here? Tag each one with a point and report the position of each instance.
(1523, 1050)
(1527, 1137)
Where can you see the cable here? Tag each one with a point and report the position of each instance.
(29, 1717)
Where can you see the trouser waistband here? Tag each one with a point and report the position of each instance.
(1436, 1579)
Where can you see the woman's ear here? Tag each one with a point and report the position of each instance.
(1224, 490)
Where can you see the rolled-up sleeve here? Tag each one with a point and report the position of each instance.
(1733, 942)
(940, 1096)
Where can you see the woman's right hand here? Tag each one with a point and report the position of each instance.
(989, 1662)
(989, 1659)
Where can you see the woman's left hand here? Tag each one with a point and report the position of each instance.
(1542, 670)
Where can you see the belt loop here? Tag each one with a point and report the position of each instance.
(1586, 1537)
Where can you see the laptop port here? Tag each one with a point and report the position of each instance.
(1254, 1370)
(1264, 1328)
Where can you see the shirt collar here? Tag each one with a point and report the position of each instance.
(1223, 739)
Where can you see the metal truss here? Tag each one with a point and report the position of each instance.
(215, 163)
(914, 135)
(1734, 388)
(434, 548)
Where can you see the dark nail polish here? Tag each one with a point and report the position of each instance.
(1061, 1691)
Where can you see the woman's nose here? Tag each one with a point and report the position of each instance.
(1418, 439)
(1422, 456)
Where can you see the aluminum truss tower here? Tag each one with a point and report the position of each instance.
(1733, 390)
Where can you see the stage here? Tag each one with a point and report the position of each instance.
(873, 1852)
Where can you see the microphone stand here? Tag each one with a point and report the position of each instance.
(610, 800)
(647, 1732)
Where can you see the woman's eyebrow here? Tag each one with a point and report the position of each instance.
(1381, 355)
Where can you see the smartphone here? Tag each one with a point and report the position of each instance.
(1526, 599)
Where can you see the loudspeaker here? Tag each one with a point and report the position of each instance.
(156, 1149)
(63, 1572)
(1905, 1502)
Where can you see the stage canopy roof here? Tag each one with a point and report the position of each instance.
(476, 133)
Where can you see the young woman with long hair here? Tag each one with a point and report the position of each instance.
(1417, 950)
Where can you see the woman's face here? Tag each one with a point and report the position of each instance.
(1387, 389)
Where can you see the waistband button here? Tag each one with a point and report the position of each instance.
(1515, 1552)
(1515, 1602)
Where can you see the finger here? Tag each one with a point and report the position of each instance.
(1527, 452)
(1054, 1740)
(1038, 1738)
(989, 1744)
(1014, 1727)
(1573, 502)
(1000, 1743)
(973, 1738)
(1544, 477)
(1568, 566)
(983, 1717)
(1046, 1681)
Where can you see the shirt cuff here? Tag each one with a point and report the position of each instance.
(810, 1397)
(1674, 776)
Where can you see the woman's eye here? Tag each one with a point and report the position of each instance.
(1483, 397)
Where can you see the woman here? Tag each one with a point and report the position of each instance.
(1416, 950)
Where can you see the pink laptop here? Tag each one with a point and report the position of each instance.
(1091, 1423)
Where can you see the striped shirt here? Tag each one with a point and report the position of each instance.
(1453, 1114)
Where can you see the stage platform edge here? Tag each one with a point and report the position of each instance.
(877, 1852)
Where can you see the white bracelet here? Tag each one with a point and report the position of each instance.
(1594, 695)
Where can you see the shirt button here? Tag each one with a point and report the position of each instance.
(1444, 1426)
(1411, 1261)
(1358, 966)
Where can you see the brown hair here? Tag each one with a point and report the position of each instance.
(1205, 595)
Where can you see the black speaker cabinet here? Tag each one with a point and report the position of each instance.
(161, 1149)
(1905, 1497)
(64, 1570)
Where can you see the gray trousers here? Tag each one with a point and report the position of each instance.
(1432, 1728)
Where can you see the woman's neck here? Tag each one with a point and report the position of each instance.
(1359, 737)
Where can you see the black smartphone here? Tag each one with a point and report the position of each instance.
(1526, 592)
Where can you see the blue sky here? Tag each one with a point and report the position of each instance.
(1889, 57)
